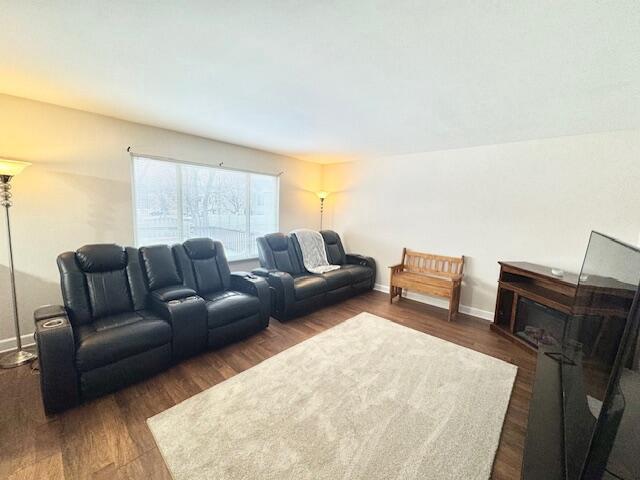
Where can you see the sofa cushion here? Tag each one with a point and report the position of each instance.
(333, 245)
(229, 306)
(116, 337)
(108, 293)
(306, 286)
(276, 251)
(337, 278)
(205, 266)
(358, 272)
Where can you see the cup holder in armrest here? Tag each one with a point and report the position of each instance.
(182, 300)
(53, 323)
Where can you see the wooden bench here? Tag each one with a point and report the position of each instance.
(436, 275)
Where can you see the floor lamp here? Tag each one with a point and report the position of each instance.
(8, 169)
(322, 196)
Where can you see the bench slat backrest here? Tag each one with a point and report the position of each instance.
(418, 262)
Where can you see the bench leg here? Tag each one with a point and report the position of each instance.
(394, 292)
(454, 302)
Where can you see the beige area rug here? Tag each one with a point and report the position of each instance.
(367, 399)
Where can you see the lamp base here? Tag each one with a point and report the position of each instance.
(17, 358)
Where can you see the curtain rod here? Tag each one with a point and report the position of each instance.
(219, 165)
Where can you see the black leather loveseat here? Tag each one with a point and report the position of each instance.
(295, 290)
(129, 313)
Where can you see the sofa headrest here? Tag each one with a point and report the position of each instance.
(330, 237)
(101, 258)
(200, 248)
(159, 266)
(277, 241)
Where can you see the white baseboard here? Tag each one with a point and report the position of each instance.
(438, 302)
(8, 344)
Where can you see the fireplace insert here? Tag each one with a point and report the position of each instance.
(539, 325)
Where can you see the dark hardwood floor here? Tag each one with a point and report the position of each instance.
(109, 438)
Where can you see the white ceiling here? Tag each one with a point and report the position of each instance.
(334, 80)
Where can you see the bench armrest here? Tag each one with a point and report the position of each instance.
(57, 353)
(397, 268)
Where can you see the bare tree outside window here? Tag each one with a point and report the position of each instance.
(176, 201)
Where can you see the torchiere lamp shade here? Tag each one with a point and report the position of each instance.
(11, 168)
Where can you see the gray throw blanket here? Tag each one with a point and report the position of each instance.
(314, 255)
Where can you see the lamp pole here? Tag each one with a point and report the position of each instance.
(19, 356)
(322, 195)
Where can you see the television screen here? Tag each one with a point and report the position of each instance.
(600, 365)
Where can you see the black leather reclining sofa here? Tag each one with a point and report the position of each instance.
(129, 313)
(295, 290)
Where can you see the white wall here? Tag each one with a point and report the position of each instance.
(78, 190)
(535, 201)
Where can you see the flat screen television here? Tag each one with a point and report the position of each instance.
(597, 370)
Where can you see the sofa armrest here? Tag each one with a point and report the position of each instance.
(251, 284)
(188, 319)
(49, 311)
(263, 272)
(355, 259)
(281, 284)
(56, 352)
(174, 292)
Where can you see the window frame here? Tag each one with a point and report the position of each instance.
(220, 166)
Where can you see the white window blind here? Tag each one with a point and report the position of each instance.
(174, 201)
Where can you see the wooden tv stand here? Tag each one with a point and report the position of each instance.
(534, 282)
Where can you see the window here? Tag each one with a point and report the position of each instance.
(175, 201)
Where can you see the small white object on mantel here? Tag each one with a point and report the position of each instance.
(558, 272)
